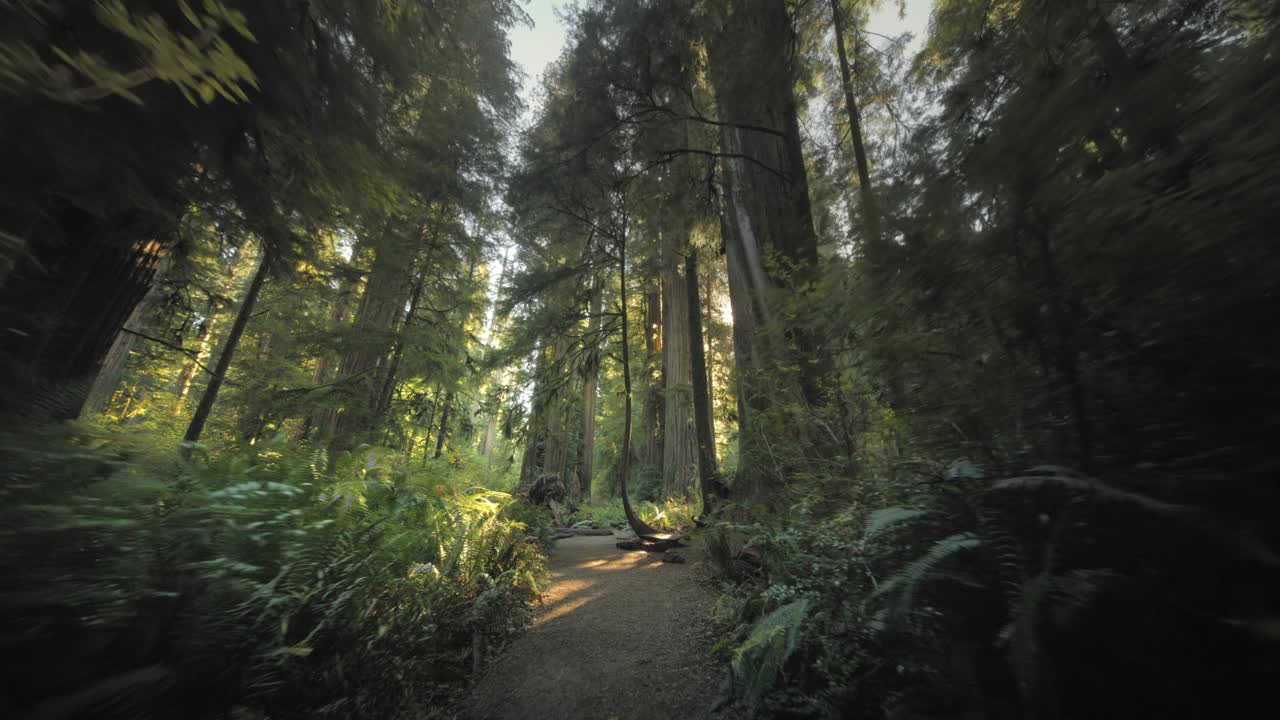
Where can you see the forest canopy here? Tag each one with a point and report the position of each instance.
(948, 355)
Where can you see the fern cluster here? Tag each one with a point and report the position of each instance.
(1049, 594)
(259, 585)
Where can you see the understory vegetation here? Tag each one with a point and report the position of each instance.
(255, 585)
(952, 351)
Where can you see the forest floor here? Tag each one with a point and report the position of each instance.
(620, 635)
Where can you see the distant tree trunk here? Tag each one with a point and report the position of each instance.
(713, 489)
(204, 347)
(229, 348)
(490, 436)
(679, 444)
(591, 372)
(444, 425)
(104, 385)
(870, 214)
(535, 441)
(767, 214)
(651, 424)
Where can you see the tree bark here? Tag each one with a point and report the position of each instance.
(651, 425)
(385, 293)
(229, 349)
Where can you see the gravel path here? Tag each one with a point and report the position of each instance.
(620, 636)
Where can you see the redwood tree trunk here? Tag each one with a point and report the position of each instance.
(781, 373)
(679, 444)
(651, 424)
(384, 297)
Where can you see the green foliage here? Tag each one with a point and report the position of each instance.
(257, 582)
(203, 66)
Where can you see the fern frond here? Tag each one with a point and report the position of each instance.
(902, 587)
(881, 520)
(758, 661)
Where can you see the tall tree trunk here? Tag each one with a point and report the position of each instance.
(679, 444)
(870, 214)
(651, 423)
(591, 372)
(229, 349)
(781, 373)
(713, 490)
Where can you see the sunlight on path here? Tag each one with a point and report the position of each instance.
(620, 635)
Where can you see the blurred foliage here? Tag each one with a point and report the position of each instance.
(257, 583)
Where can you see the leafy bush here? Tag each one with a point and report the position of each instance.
(140, 583)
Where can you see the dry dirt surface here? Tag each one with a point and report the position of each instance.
(620, 636)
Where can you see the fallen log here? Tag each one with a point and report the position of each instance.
(581, 531)
(646, 545)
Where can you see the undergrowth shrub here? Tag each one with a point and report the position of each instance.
(672, 515)
(143, 585)
(1048, 594)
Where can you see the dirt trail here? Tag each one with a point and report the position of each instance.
(621, 635)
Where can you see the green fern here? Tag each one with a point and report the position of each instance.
(759, 660)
